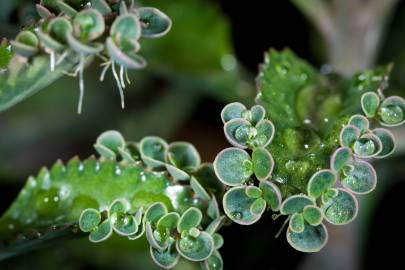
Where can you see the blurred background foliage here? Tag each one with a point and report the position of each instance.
(209, 58)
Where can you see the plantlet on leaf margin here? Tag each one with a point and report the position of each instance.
(82, 33)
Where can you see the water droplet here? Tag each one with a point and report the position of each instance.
(98, 166)
(117, 170)
(46, 199)
(260, 140)
(326, 120)
(306, 146)
(391, 114)
(237, 215)
(80, 168)
(56, 199)
(307, 121)
(228, 62)
(364, 147)
(245, 133)
(187, 244)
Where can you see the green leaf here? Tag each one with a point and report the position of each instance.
(387, 142)
(253, 192)
(176, 173)
(258, 206)
(26, 44)
(392, 111)
(271, 194)
(257, 114)
(214, 262)
(21, 81)
(239, 132)
(215, 225)
(263, 163)
(232, 111)
(349, 135)
(238, 206)
(199, 190)
(155, 212)
(232, 166)
(196, 249)
(101, 6)
(362, 179)
(297, 223)
(109, 143)
(183, 155)
(265, 133)
(125, 31)
(313, 215)
(153, 151)
(190, 219)
(167, 258)
(341, 209)
(88, 25)
(340, 158)
(213, 209)
(312, 239)
(360, 122)
(89, 219)
(295, 204)
(5, 54)
(101, 233)
(155, 23)
(124, 224)
(65, 8)
(320, 182)
(168, 221)
(368, 145)
(369, 103)
(152, 239)
(218, 240)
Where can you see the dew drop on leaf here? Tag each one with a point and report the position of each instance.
(391, 114)
(364, 147)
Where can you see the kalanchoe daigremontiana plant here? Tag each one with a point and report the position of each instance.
(304, 152)
(83, 30)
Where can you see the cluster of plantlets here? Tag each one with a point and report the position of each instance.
(306, 164)
(84, 29)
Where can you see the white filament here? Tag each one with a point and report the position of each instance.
(127, 77)
(81, 83)
(119, 85)
(52, 60)
(104, 71)
(122, 76)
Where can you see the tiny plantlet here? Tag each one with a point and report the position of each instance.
(289, 156)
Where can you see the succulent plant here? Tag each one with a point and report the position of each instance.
(292, 157)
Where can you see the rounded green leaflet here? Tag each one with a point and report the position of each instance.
(312, 239)
(43, 12)
(360, 122)
(320, 182)
(167, 258)
(213, 209)
(271, 194)
(329, 194)
(215, 225)
(50, 43)
(349, 135)
(392, 111)
(125, 32)
(26, 44)
(257, 114)
(119, 206)
(218, 240)
(214, 262)
(196, 249)
(258, 206)
(341, 209)
(387, 141)
(239, 132)
(265, 133)
(88, 25)
(89, 219)
(154, 22)
(368, 145)
(253, 192)
(101, 6)
(362, 179)
(82, 48)
(168, 221)
(176, 173)
(297, 223)
(237, 206)
(183, 155)
(369, 103)
(295, 204)
(263, 163)
(66, 8)
(232, 111)
(233, 166)
(128, 60)
(199, 190)
(59, 28)
(340, 158)
(124, 224)
(109, 143)
(155, 212)
(154, 238)
(190, 219)
(313, 215)
(101, 232)
(153, 151)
